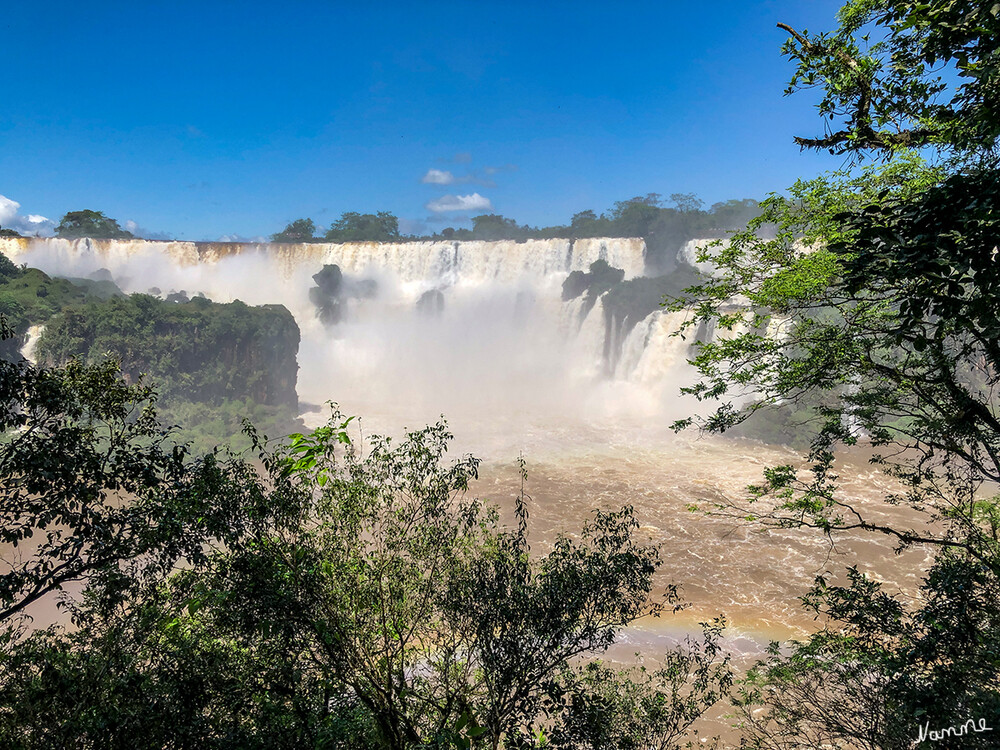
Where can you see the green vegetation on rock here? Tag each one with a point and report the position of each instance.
(215, 364)
(30, 297)
(200, 351)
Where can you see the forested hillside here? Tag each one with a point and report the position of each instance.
(197, 350)
(213, 364)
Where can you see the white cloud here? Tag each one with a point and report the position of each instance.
(474, 202)
(241, 238)
(8, 210)
(412, 226)
(145, 234)
(438, 177)
(483, 177)
(30, 224)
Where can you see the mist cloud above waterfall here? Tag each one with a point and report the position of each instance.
(474, 202)
(28, 224)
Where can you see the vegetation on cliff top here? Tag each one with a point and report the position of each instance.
(215, 364)
(77, 224)
(665, 225)
(198, 350)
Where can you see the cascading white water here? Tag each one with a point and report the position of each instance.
(31, 341)
(505, 349)
(505, 341)
(656, 348)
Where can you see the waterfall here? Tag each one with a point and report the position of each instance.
(456, 262)
(500, 338)
(655, 350)
(31, 342)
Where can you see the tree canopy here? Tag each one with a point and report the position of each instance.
(94, 224)
(899, 75)
(873, 308)
(300, 230)
(331, 595)
(354, 227)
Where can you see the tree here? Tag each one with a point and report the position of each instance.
(686, 202)
(383, 609)
(893, 93)
(355, 227)
(9, 233)
(300, 230)
(588, 224)
(638, 708)
(413, 600)
(496, 227)
(92, 487)
(883, 287)
(635, 217)
(93, 224)
(380, 609)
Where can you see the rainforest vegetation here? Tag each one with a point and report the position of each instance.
(335, 591)
(215, 364)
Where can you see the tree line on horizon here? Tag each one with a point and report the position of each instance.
(645, 216)
(640, 216)
(665, 225)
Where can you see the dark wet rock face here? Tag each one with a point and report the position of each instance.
(431, 303)
(332, 291)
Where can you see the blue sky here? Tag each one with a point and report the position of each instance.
(210, 119)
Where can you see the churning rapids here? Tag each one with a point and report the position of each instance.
(587, 399)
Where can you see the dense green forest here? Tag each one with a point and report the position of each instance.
(197, 350)
(29, 297)
(215, 364)
(334, 592)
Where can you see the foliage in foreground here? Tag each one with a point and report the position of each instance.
(328, 595)
(875, 310)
